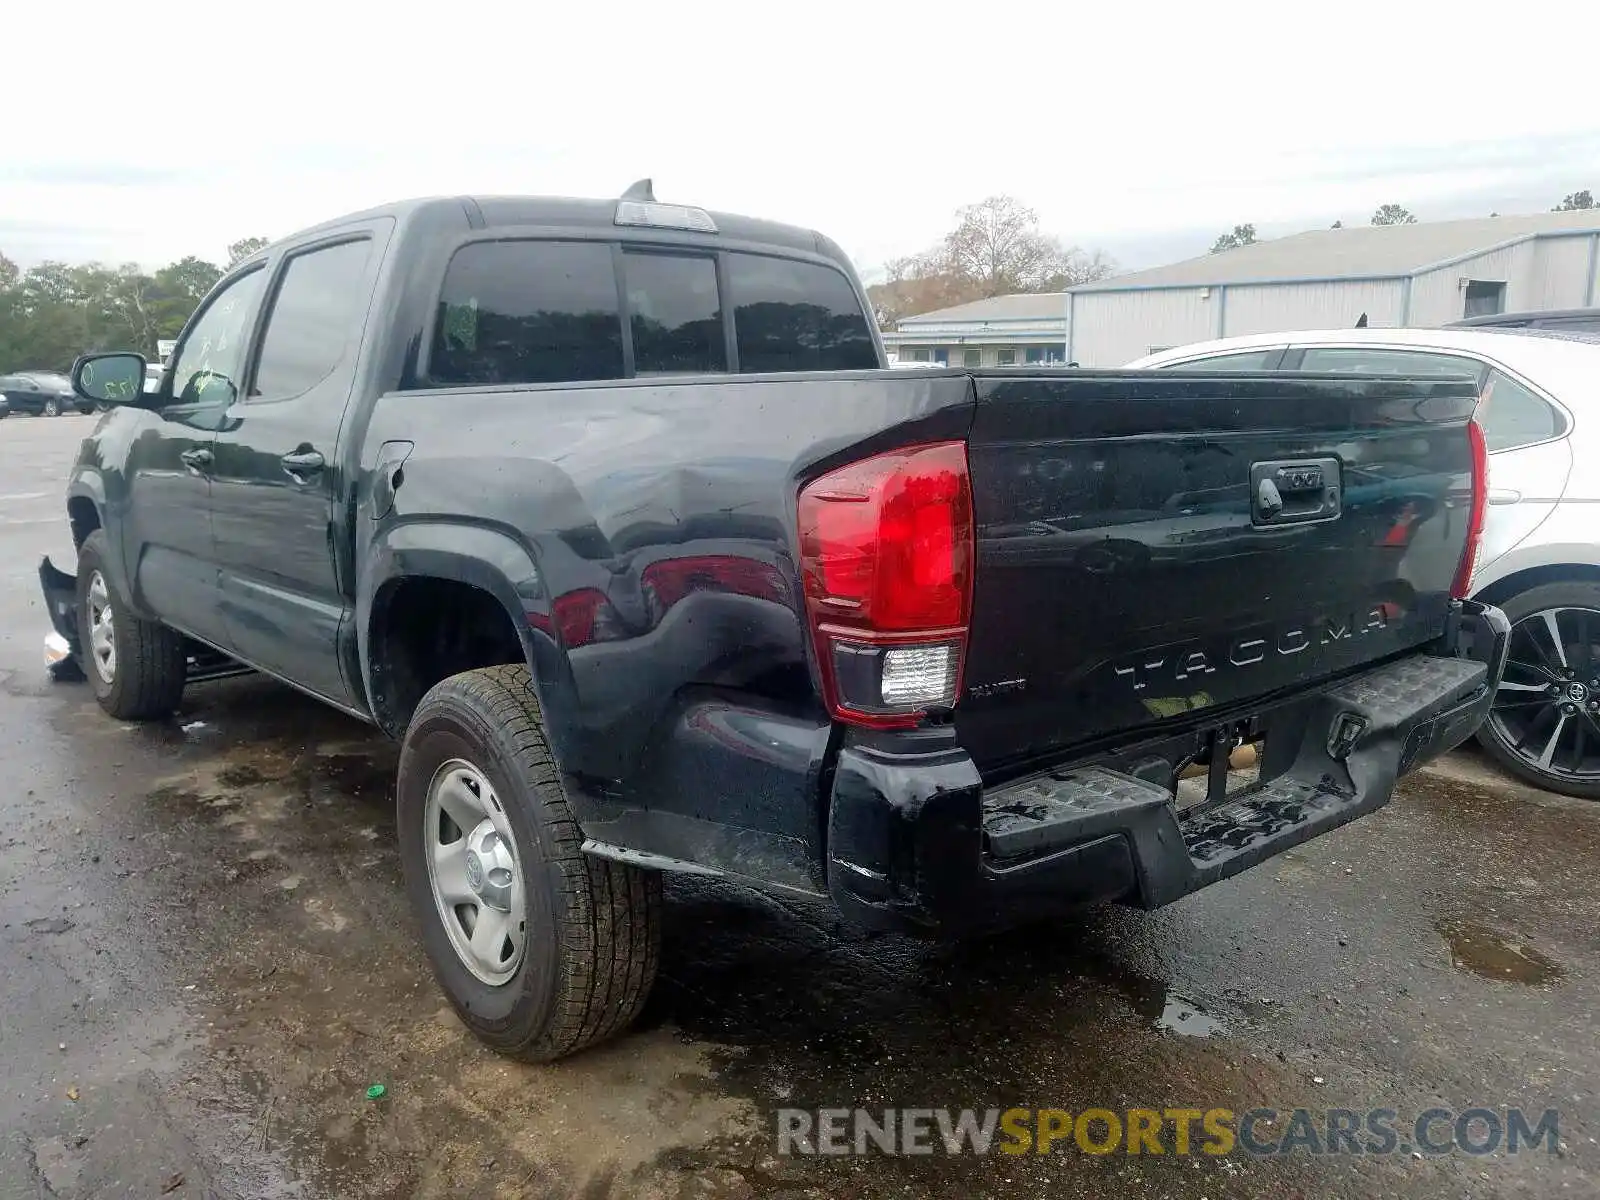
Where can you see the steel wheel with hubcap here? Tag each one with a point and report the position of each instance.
(52, 408)
(540, 948)
(473, 870)
(102, 630)
(1545, 723)
(136, 667)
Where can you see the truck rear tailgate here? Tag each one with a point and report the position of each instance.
(1152, 547)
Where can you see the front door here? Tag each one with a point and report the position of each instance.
(278, 482)
(171, 557)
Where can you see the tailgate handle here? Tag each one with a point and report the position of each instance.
(1283, 492)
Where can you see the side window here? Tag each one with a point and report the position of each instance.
(1512, 416)
(314, 318)
(1376, 360)
(207, 366)
(798, 316)
(527, 312)
(972, 358)
(675, 312)
(1246, 360)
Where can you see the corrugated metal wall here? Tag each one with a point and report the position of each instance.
(1112, 328)
(1332, 305)
(1557, 275)
(1437, 297)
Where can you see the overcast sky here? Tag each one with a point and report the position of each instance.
(145, 133)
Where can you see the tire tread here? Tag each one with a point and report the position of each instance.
(609, 912)
(152, 663)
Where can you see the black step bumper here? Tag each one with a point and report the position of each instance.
(916, 843)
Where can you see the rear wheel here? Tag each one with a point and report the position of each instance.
(1545, 724)
(541, 949)
(52, 408)
(135, 667)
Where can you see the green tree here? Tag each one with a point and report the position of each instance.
(1393, 214)
(53, 312)
(1242, 235)
(1575, 202)
(244, 248)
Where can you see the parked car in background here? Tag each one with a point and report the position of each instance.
(42, 393)
(1540, 560)
(5, 407)
(1571, 320)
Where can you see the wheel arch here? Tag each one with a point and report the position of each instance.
(433, 563)
(1504, 586)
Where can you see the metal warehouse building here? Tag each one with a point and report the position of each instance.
(1424, 274)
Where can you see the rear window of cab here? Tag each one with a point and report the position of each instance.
(545, 311)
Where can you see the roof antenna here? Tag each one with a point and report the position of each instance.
(642, 190)
(1361, 323)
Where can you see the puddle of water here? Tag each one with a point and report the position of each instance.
(1167, 1010)
(1182, 1016)
(1482, 951)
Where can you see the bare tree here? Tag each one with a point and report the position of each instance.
(998, 246)
(996, 249)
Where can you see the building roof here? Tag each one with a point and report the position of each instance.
(1360, 252)
(1026, 306)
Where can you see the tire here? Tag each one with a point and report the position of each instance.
(1525, 717)
(142, 680)
(590, 930)
(51, 408)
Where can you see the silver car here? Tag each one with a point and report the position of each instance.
(1540, 559)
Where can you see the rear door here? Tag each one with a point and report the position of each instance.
(1129, 573)
(278, 485)
(1529, 459)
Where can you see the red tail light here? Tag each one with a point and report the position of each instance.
(886, 549)
(1461, 588)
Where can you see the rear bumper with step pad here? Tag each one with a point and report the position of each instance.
(915, 842)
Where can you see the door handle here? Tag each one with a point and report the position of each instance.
(1504, 496)
(197, 460)
(300, 463)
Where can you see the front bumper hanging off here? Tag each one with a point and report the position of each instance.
(917, 843)
(63, 655)
(61, 602)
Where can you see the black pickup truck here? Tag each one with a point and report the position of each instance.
(611, 511)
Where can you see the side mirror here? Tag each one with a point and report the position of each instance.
(109, 378)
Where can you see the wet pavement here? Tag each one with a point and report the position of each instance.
(206, 960)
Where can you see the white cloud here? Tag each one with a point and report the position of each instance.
(177, 128)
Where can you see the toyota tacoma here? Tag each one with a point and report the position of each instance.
(612, 513)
